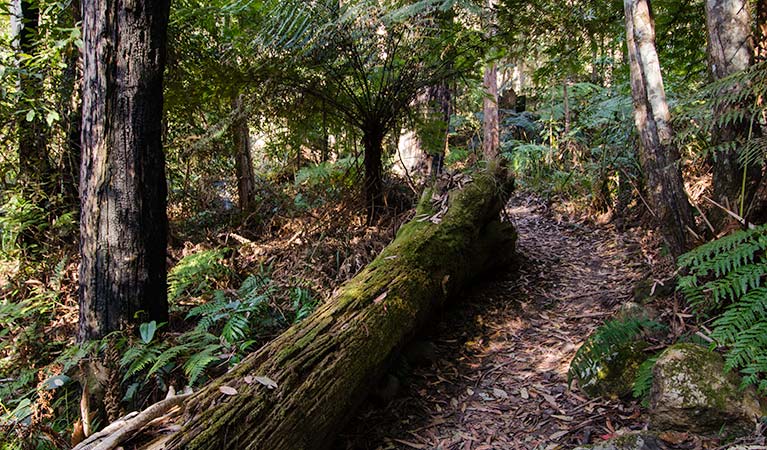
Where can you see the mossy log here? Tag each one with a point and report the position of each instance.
(297, 391)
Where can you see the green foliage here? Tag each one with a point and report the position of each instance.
(197, 273)
(19, 216)
(603, 345)
(724, 282)
(643, 382)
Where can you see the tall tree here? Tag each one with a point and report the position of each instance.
(246, 181)
(658, 155)
(123, 189)
(491, 137)
(730, 50)
(34, 164)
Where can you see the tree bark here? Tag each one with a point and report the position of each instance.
(659, 157)
(34, 162)
(123, 189)
(246, 180)
(491, 136)
(321, 368)
(730, 50)
(761, 30)
(491, 139)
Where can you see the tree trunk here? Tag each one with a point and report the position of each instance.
(34, 163)
(372, 141)
(246, 180)
(123, 189)
(491, 139)
(730, 50)
(761, 30)
(72, 108)
(321, 368)
(658, 155)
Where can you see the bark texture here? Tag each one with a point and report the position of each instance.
(491, 140)
(321, 368)
(372, 142)
(246, 180)
(730, 50)
(658, 155)
(122, 189)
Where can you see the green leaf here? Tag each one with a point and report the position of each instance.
(146, 330)
(30, 115)
(52, 116)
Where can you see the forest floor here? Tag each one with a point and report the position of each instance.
(502, 352)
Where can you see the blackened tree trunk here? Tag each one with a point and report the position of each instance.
(372, 142)
(658, 155)
(123, 192)
(34, 162)
(730, 50)
(246, 181)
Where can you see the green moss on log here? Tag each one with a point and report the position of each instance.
(324, 366)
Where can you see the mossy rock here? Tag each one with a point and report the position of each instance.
(692, 392)
(642, 440)
(614, 375)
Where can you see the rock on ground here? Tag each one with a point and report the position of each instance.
(691, 392)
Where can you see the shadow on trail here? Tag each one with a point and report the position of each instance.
(499, 380)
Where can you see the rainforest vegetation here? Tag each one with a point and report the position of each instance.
(230, 212)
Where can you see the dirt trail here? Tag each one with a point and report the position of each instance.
(500, 378)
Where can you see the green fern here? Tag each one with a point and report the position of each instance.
(724, 282)
(604, 345)
(197, 273)
(643, 381)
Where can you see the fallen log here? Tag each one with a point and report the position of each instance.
(296, 392)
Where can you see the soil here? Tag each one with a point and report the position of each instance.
(502, 352)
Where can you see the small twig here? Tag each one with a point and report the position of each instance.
(705, 219)
(735, 216)
(693, 233)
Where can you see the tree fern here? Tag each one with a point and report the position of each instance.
(724, 282)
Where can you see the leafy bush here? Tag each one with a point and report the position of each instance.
(724, 282)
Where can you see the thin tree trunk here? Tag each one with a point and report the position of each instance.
(491, 139)
(71, 100)
(761, 30)
(123, 189)
(246, 180)
(730, 50)
(566, 103)
(320, 369)
(34, 162)
(659, 157)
